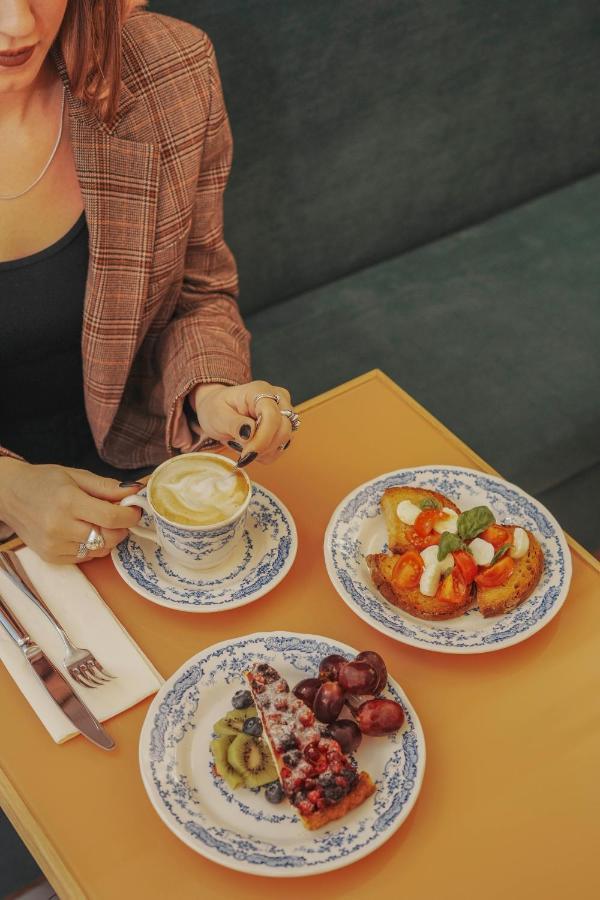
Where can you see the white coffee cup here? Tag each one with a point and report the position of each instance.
(192, 546)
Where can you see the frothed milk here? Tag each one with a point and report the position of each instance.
(193, 490)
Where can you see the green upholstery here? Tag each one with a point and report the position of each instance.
(495, 329)
(364, 128)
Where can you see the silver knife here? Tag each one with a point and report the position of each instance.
(58, 687)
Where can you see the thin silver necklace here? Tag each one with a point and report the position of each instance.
(51, 157)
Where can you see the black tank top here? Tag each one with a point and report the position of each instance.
(42, 414)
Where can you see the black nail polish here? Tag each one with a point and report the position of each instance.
(244, 460)
(235, 446)
(130, 484)
(245, 431)
(285, 446)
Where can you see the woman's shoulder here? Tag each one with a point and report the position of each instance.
(158, 49)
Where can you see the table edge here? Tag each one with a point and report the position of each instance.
(35, 839)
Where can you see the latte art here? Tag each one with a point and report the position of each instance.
(196, 491)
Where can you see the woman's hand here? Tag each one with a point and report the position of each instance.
(53, 508)
(231, 415)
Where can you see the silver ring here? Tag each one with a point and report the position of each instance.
(274, 397)
(293, 417)
(82, 551)
(95, 541)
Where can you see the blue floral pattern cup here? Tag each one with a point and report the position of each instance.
(193, 546)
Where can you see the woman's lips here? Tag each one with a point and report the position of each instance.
(18, 58)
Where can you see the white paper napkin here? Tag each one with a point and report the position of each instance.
(90, 624)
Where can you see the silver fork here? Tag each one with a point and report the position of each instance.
(79, 662)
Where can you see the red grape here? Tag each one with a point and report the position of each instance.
(306, 690)
(378, 717)
(329, 701)
(330, 667)
(346, 733)
(358, 677)
(375, 660)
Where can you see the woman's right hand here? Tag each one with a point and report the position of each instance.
(53, 508)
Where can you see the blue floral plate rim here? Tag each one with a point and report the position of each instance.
(339, 844)
(205, 596)
(342, 544)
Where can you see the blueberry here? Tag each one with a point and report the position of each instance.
(252, 726)
(334, 793)
(292, 758)
(288, 742)
(268, 673)
(350, 775)
(274, 792)
(241, 700)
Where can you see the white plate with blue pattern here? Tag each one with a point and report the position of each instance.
(240, 829)
(357, 528)
(262, 559)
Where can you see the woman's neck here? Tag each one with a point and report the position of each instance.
(16, 107)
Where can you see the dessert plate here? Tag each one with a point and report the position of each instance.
(240, 829)
(263, 557)
(357, 528)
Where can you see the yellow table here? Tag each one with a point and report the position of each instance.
(510, 802)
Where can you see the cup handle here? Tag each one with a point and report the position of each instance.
(144, 531)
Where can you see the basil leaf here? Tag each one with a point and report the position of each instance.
(474, 521)
(448, 543)
(499, 553)
(429, 503)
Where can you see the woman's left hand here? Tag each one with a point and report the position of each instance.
(256, 429)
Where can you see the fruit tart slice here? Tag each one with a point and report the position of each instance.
(320, 781)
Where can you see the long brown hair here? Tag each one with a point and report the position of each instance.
(90, 41)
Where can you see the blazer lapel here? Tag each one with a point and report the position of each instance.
(119, 181)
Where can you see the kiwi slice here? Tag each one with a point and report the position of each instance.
(252, 759)
(219, 747)
(232, 722)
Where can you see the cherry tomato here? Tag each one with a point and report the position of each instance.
(466, 564)
(407, 570)
(496, 535)
(426, 520)
(497, 574)
(421, 542)
(453, 588)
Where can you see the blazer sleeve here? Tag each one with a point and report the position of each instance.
(206, 341)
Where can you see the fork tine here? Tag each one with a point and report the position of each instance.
(99, 670)
(88, 672)
(94, 672)
(75, 672)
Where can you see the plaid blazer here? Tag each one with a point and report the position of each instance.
(160, 310)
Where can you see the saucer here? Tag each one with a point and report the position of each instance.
(261, 560)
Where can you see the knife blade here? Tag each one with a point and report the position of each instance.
(57, 686)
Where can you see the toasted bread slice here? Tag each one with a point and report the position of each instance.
(493, 601)
(411, 600)
(397, 531)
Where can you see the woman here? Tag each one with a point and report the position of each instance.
(121, 340)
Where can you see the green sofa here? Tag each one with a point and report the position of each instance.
(415, 188)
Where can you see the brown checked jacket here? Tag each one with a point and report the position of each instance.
(160, 309)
